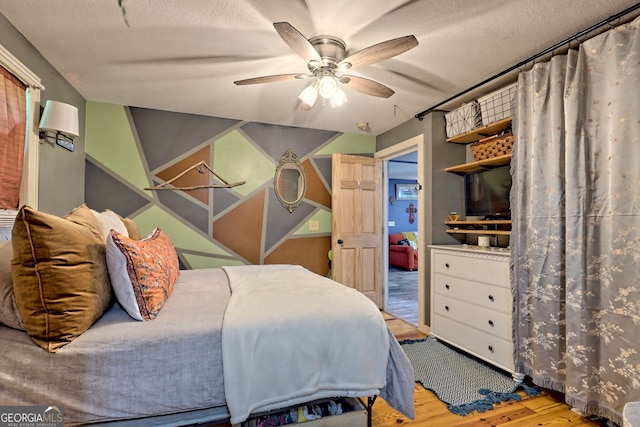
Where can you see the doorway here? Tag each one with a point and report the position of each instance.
(402, 207)
(415, 144)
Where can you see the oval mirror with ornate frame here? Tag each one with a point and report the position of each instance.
(289, 182)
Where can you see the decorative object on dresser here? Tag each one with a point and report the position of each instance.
(462, 382)
(471, 303)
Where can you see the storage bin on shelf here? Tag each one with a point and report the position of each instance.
(493, 146)
(463, 119)
(497, 105)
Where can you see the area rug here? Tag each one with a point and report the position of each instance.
(462, 382)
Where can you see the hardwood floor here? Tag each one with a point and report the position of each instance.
(547, 409)
(402, 295)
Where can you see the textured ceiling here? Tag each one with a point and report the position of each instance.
(184, 56)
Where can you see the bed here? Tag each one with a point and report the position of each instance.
(227, 343)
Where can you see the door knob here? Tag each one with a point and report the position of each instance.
(340, 241)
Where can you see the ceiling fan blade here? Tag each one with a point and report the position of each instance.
(368, 87)
(297, 42)
(379, 52)
(268, 79)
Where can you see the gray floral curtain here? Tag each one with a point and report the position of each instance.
(576, 212)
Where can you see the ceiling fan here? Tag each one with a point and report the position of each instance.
(325, 57)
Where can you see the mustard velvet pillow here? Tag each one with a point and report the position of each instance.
(142, 272)
(60, 278)
(132, 228)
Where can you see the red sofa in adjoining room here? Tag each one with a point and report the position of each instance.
(402, 256)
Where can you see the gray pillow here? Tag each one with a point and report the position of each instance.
(5, 233)
(9, 313)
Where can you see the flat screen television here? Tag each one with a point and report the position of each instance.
(487, 193)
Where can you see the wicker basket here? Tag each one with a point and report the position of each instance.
(487, 149)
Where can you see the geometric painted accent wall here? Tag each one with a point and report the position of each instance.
(130, 149)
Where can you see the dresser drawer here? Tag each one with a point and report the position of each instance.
(480, 318)
(480, 268)
(486, 346)
(495, 298)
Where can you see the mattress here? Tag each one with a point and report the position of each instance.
(123, 369)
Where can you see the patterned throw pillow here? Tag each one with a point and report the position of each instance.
(142, 272)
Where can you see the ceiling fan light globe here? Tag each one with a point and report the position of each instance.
(309, 95)
(327, 87)
(339, 98)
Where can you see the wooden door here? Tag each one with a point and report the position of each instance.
(356, 234)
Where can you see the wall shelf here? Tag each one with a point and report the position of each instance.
(497, 227)
(491, 232)
(481, 132)
(480, 164)
(501, 227)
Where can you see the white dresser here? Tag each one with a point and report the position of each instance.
(471, 302)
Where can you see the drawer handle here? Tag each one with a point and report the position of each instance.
(491, 298)
(491, 323)
(490, 348)
(446, 265)
(447, 286)
(446, 307)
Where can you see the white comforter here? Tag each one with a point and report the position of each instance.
(290, 336)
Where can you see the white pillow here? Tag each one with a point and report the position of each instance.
(109, 220)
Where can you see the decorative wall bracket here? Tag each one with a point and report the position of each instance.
(201, 167)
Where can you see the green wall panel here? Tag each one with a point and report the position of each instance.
(324, 221)
(180, 235)
(350, 143)
(110, 140)
(236, 159)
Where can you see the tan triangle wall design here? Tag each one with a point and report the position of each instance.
(193, 177)
(316, 190)
(241, 228)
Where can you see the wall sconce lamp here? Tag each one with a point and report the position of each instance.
(59, 124)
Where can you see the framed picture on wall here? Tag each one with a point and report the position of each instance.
(406, 192)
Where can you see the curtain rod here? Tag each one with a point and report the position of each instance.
(567, 41)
